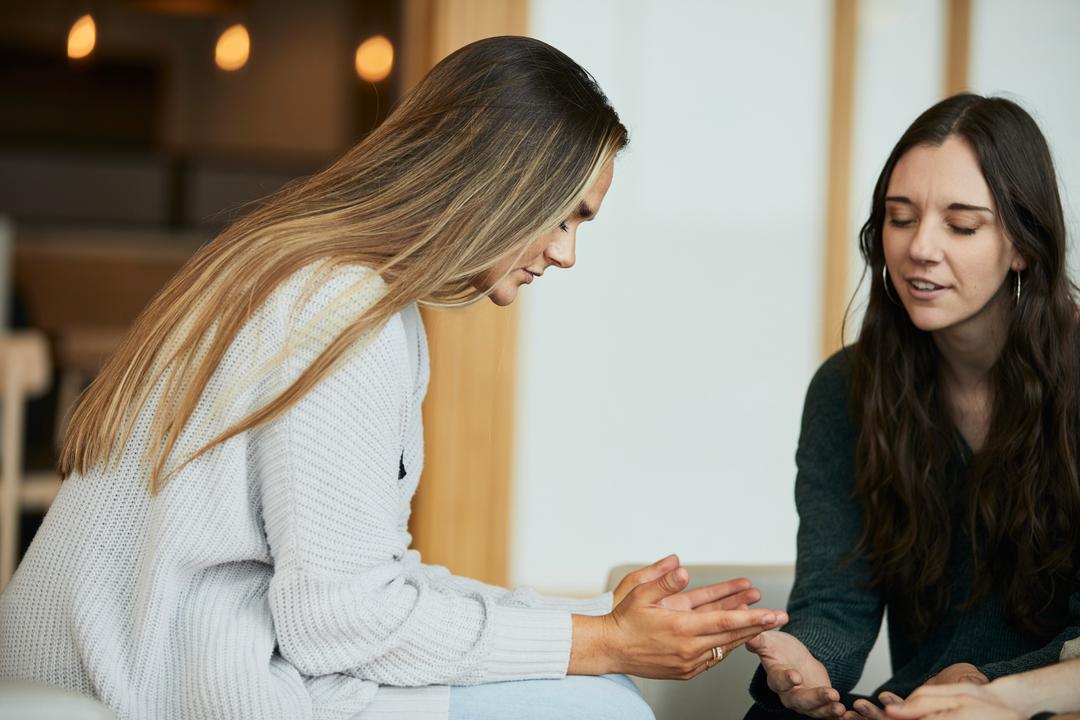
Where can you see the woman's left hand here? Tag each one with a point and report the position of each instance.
(737, 594)
(963, 701)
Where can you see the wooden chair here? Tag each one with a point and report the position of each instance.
(25, 371)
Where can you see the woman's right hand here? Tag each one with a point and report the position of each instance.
(796, 676)
(641, 636)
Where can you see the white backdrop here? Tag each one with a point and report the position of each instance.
(1030, 52)
(661, 380)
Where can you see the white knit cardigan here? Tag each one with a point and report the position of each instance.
(272, 577)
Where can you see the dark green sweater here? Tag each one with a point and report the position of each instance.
(832, 611)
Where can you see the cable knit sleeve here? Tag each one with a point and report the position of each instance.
(345, 596)
(525, 597)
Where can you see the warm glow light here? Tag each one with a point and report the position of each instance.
(374, 59)
(82, 37)
(233, 48)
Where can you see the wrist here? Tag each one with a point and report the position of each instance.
(589, 651)
(1009, 690)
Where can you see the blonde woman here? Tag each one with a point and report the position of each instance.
(231, 540)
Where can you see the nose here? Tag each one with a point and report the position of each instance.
(925, 247)
(560, 251)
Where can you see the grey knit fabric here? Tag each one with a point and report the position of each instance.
(272, 578)
(833, 611)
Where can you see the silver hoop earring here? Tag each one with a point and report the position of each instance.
(885, 283)
(1017, 286)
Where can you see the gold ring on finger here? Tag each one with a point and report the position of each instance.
(717, 654)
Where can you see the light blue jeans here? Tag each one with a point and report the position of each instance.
(575, 697)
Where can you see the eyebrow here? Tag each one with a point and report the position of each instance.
(955, 206)
(585, 212)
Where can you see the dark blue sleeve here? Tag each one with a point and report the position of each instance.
(1046, 655)
(833, 611)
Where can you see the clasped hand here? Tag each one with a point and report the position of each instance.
(802, 682)
(659, 629)
(962, 678)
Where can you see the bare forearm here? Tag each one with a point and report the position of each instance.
(1053, 688)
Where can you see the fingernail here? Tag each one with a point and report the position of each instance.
(768, 619)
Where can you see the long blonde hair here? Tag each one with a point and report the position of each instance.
(497, 144)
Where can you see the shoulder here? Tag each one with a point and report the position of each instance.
(315, 305)
(832, 381)
(325, 291)
(826, 412)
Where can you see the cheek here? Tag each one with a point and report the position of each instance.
(981, 265)
(537, 248)
(485, 281)
(892, 246)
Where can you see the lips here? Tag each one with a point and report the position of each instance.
(926, 285)
(923, 289)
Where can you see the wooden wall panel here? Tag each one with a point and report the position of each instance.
(957, 46)
(841, 115)
(461, 511)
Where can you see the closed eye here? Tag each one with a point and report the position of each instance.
(899, 223)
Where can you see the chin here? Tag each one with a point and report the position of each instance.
(503, 296)
(929, 320)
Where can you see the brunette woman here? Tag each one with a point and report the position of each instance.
(938, 460)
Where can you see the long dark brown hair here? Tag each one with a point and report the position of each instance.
(1018, 497)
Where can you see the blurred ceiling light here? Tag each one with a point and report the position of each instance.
(81, 38)
(188, 7)
(374, 58)
(233, 48)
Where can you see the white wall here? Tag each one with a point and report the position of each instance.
(662, 379)
(1030, 52)
(899, 72)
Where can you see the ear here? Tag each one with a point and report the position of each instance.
(1018, 262)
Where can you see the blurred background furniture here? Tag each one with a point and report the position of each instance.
(722, 693)
(24, 373)
(84, 289)
(31, 701)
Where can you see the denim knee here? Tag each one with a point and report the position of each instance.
(623, 700)
(612, 697)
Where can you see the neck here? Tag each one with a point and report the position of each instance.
(970, 349)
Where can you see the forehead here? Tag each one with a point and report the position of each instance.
(594, 196)
(941, 174)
